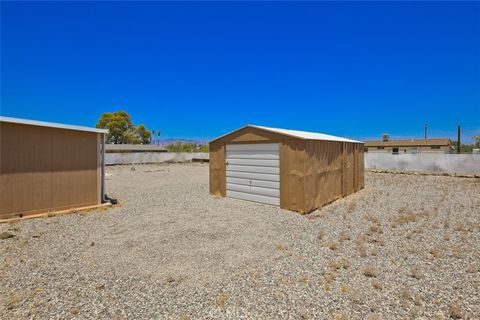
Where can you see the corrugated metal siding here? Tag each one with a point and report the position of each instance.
(45, 169)
(312, 172)
(217, 169)
(323, 173)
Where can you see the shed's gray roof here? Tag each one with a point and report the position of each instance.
(304, 135)
(51, 125)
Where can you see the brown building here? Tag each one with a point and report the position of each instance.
(48, 167)
(296, 170)
(409, 145)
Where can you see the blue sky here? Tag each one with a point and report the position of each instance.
(198, 70)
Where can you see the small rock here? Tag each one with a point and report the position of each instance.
(6, 235)
(132, 169)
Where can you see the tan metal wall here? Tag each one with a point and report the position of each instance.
(218, 171)
(312, 172)
(44, 169)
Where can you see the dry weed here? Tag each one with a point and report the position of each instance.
(333, 265)
(460, 227)
(373, 316)
(345, 263)
(360, 240)
(344, 236)
(370, 271)
(474, 268)
(416, 273)
(330, 277)
(375, 229)
(332, 245)
(221, 300)
(352, 206)
(341, 316)
(344, 288)
(371, 218)
(377, 285)
(437, 253)
(418, 300)
(305, 279)
(455, 311)
(321, 234)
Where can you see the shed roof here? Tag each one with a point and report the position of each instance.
(304, 135)
(409, 143)
(51, 125)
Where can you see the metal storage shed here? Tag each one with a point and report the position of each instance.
(296, 170)
(48, 167)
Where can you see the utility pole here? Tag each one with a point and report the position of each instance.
(458, 142)
(426, 128)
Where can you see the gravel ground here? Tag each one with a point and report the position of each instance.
(405, 247)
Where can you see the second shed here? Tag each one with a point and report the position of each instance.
(296, 170)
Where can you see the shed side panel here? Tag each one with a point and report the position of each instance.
(74, 168)
(45, 169)
(292, 172)
(323, 173)
(349, 173)
(217, 169)
(360, 167)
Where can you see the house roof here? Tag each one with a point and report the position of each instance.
(409, 143)
(51, 125)
(304, 135)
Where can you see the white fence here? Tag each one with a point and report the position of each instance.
(425, 162)
(421, 162)
(152, 157)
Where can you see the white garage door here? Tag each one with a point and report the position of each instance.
(253, 172)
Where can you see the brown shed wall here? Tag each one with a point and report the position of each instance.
(312, 172)
(218, 172)
(45, 169)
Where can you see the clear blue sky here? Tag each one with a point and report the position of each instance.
(202, 69)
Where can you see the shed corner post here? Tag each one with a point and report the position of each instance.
(103, 169)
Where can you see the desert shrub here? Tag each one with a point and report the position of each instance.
(180, 146)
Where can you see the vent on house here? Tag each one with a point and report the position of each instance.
(385, 137)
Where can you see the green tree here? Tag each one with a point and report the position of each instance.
(121, 130)
(476, 140)
(143, 134)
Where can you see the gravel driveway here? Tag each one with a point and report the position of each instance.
(405, 247)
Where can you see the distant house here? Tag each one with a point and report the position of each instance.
(409, 145)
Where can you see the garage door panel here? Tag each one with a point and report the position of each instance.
(254, 183)
(253, 197)
(253, 172)
(254, 190)
(253, 147)
(269, 155)
(255, 176)
(253, 162)
(253, 169)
